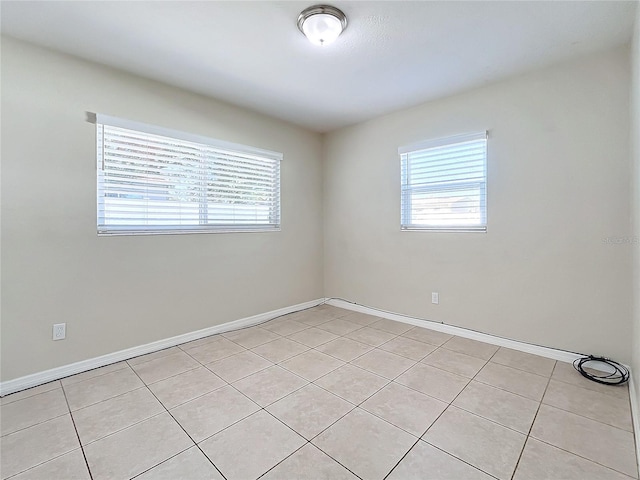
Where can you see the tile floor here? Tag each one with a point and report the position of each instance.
(322, 394)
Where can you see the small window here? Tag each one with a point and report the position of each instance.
(444, 184)
(153, 180)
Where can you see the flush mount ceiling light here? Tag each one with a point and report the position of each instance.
(322, 24)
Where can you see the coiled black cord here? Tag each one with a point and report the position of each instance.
(619, 375)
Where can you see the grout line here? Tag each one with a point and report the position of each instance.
(34, 425)
(84, 455)
(580, 456)
(353, 406)
(106, 399)
(29, 396)
(441, 414)
(124, 367)
(460, 460)
(14, 475)
(183, 429)
(588, 418)
(533, 422)
(164, 461)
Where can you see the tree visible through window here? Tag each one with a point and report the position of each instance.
(151, 183)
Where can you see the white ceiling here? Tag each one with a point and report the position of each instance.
(392, 54)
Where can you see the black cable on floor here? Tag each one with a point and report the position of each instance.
(619, 375)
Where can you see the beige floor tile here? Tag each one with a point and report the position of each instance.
(285, 318)
(407, 409)
(471, 347)
(260, 438)
(32, 446)
(565, 372)
(286, 327)
(339, 326)
(603, 444)
(383, 363)
(97, 389)
(426, 462)
(309, 463)
(379, 447)
(118, 413)
(524, 361)
(191, 464)
(370, 336)
(363, 319)
(70, 466)
(408, 348)
(32, 410)
(515, 381)
(186, 386)
(310, 410)
(199, 342)
(270, 385)
(590, 404)
(215, 350)
(455, 362)
(344, 349)
(207, 415)
(312, 337)
(136, 449)
(352, 383)
(165, 367)
(280, 350)
(540, 460)
(433, 381)
(391, 326)
(312, 318)
(96, 372)
(238, 366)
(312, 364)
(251, 337)
(500, 406)
(153, 356)
(337, 312)
(30, 392)
(427, 335)
(484, 444)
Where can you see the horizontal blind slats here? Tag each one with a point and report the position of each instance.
(444, 186)
(150, 183)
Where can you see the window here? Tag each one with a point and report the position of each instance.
(444, 184)
(154, 180)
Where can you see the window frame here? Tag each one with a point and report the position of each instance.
(222, 147)
(406, 192)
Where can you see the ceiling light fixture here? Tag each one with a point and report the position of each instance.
(322, 24)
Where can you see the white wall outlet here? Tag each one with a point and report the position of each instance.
(435, 298)
(59, 331)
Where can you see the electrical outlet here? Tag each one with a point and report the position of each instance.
(435, 298)
(59, 331)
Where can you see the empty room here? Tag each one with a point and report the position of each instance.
(284, 240)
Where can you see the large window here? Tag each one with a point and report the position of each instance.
(154, 180)
(444, 184)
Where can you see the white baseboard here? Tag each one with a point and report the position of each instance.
(635, 414)
(553, 353)
(35, 379)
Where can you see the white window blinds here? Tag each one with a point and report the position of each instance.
(444, 184)
(153, 180)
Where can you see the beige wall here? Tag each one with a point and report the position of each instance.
(120, 292)
(558, 184)
(635, 204)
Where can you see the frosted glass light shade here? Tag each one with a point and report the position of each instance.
(322, 28)
(322, 24)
